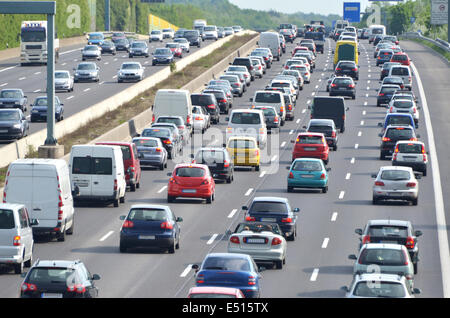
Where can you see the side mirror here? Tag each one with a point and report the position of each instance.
(417, 290)
(359, 231)
(380, 135)
(122, 217)
(76, 191)
(418, 233)
(196, 267)
(34, 222)
(373, 175)
(418, 135)
(224, 145)
(380, 124)
(245, 208)
(227, 118)
(304, 127)
(352, 257)
(192, 155)
(25, 97)
(95, 277)
(418, 175)
(345, 288)
(347, 109)
(169, 174)
(228, 233)
(328, 169)
(288, 167)
(179, 219)
(251, 99)
(296, 210)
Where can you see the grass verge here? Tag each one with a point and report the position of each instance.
(436, 48)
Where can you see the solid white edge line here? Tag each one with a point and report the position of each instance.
(106, 236)
(211, 240)
(444, 252)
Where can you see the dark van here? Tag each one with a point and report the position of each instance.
(247, 62)
(329, 108)
(209, 102)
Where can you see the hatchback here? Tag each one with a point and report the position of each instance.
(343, 86)
(391, 135)
(151, 152)
(179, 122)
(167, 137)
(326, 127)
(39, 109)
(411, 154)
(218, 161)
(385, 93)
(209, 102)
(15, 98)
(348, 68)
(244, 151)
(395, 80)
(310, 145)
(307, 173)
(108, 47)
(401, 58)
(224, 102)
(150, 225)
(406, 106)
(384, 55)
(237, 87)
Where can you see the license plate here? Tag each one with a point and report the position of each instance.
(389, 242)
(189, 191)
(268, 220)
(255, 241)
(146, 237)
(342, 88)
(410, 158)
(51, 295)
(307, 176)
(395, 194)
(309, 148)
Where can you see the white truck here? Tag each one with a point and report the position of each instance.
(198, 25)
(33, 42)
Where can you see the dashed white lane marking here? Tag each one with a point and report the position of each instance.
(8, 68)
(4, 84)
(248, 192)
(334, 217)
(308, 101)
(304, 111)
(37, 90)
(368, 87)
(298, 121)
(341, 195)
(63, 64)
(356, 146)
(101, 83)
(364, 112)
(352, 161)
(263, 173)
(211, 240)
(37, 73)
(314, 275)
(291, 132)
(162, 189)
(115, 76)
(325, 242)
(313, 93)
(283, 144)
(87, 89)
(367, 95)
(70, 97)
(368, 82)
(369, 75)
(362, 122)
(274, 158)
(232, 213)
(365, 103)
(186, 271)
(348, 175)
(22, 78)
(359, 133)
(317, 86)
(106, 236)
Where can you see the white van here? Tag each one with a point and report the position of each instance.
(173, 102)
(271, 98)
(376, 29)
(16, 236)
(248, 122)
(98, 172)
(43, 186)
(271, 40)
(404, 72)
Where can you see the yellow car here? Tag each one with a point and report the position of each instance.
(244, 151)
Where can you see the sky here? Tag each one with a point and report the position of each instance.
(291, 6)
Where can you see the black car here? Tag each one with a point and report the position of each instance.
(193, 36)
(384, 55)
(395, 231)
(385, 69)
(162, 56)
(377, 39)
(39, 109)
(385, 93)
(394, 80)
(13, 98)
(179, 33)
(168, 139)
(326, 127)
(348, 68)
(343, 86)
(221, 97)
(391, 135)
(59, 279)
(273, 121)
(247, 62)
(122, 44)
(218, 161)
(274, 210)
(323, 107)
(209, 102)
(13, 124)
(108, 47)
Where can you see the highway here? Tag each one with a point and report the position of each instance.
(317, 263)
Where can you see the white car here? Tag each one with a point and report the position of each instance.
(405, 106)
(130, 71)
(259, 70)
(412, 154)
(91, 52)
(183, 43)
(303, 69)
(168, 33)
(63, 81)
(156, 35)
(210, 32)
(240, 69)
(201, 119)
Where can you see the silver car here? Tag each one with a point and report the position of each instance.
(407, 106)
(384, 258)
(239, 69)
(379, 286)
(264, 242)
(183, 43)
(88, 71)
(130, 71)
(396, 183)
(151, 152)
(179, 121)
(236, 85)
(91, 52)
(256, 63)
(138, 48)
(63, 81)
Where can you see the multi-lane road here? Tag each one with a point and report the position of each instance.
(317, 263)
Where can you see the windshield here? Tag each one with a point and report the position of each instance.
(190, 172)
(130, 66)
(91, 48)
(43, 275)
(399, 120)
(163, 51)
(382, 256)
(176, 121)
(246, 118)
(231, 79)
(147, 215)
(402, 71)
(388, 230)
(10, 94)
(258, 228)
(403, 104)
(410, 148)
(269, 207)
(145, 142)
(61, 75)
(208, 28)
(399, 132)
(267, 98)
(86, 67)
(159, 133)
(395, 175)
(172, 45)
(28, 35)
(42, 101)
(210, 156)
(95, 37)
(379, 289)
(191, 33)
(226, 263)
(138, 44)
(156, 32)
(307, 166)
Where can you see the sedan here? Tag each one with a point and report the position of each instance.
(63, 81)
(395, 183)
(138, 48)
(307, 173)
(244, 151)
(385, 93)
(150, 225)
(229, 270)
(87, 71)
(91, 52)
(237, 87)
(191, 181)
(13, 124)
(39, 109)
(122, 44)
(108, 47)
(218, 161)
(151, 152)
(130, 71)
(13, 98)
(183, 43)
(264, 242)
(162, 56)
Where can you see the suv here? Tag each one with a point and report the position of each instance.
(348, 68)
(222, 100)
(411, 154)
(247, 62)
(59, 279)
(405, 106)
(208, 101)
(311, 145)
(218, 161)
(384, 55)
(13, 98)
(392, 134)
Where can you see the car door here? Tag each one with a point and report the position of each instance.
(26, 234)
(103, 173)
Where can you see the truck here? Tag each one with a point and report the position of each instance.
(319, 39)
(33, 43)
(198, 25)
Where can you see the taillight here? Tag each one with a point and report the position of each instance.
(128, 224)
(275, 120)
(386, 139)
(366, 239)
(188, 120)
(153, 118)
(338, 69)
(351, 85)
(235, 240)
(379, 183)
(322, 176)
(406, 263)
(200, 279)
(251, 280)
(286, 220)
(414, 110)
(115, 185)
(289, 107)
(172, 180)
(198, 118)
(28, 287)
(411, 184)
(333, 134)
(291, 175)
(158, 150)
(354, 69)
(256, 152)
(413, 139)
(276, 241)
(410, 242)
(206, 181)
(250, 218)
(167, 141)
(167, 225)
(381, 94)
(333, 85)
(226, 163)
(77, 288)
(16, 241)
(212, 105)
(394, 158)
(222, 100)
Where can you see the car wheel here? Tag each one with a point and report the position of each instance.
(29, 262)
(279, 264)
(382, 156)
(18, 268)
(424, 172)
(374, 200)
(257, 168)
(62, 236)
(325, 189)
(415, 265)
(415, 201)
(171, 249)
(122, 199)
(209, 199)
(290, 189)
(170, 198)
(116, 203)
(122, 247)
(133, 187)
(353, 97)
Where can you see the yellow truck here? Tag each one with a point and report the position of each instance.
(346, 51)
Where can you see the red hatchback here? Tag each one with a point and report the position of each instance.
(131, 163)
(191, 181)
(299, 48)
(311, 145)
(176, 49)
(401, 58)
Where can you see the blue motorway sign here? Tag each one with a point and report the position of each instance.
(352, 11)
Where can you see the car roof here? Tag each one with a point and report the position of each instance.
(410, 142)
(399, 126)
(383, 246)
(150, 206)
(388, 222)
(56, 263)
(229, 255)
(404, 168)
(191, 165)
(273, 199)
(11, 206)
(318, 134)
(307, 159)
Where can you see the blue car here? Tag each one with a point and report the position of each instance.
(148, 225)
(397, 119)
(96, 38)
(151, 152)
(39, 109)
(229, 270)
(307, 173)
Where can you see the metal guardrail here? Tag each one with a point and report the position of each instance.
(438, 42)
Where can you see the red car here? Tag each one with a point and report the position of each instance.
(311, 145)
(131, 163)
(299, 48)
(215, 292)
(401, 58)
(176, 49)
(191, 181)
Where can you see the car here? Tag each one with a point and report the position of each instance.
(405, 106)
(264, 54)
(210, 32)
(290, 105)
(241, 77)
(274, 210)
(59, 279)
(91, 52)
(209, 102)
(385, 93)
(342, 86)
(329, 80)
(150, 226)
(245, 61)
(201, 118)
(348, 68)
(162, 56)
(285, 83)
(194, 37)
(404, 72)
(263, 241)
(228, 31)
(13, 98)
(395, 183)
(247, 122)
(173, 128)
(379, 286)
(179, 33)
(309, 56)
(282, 43)
(217, 268)
(326, 127)
(131, 163)
(235, 82)
(16, 236)
(96, 38)
(156, 35)
(151, 152)
(385, 258)
(401, 58)
(381, 46)
(138, 48)
(307, 173)
(288, 35)
(385, 69)
(297, 75)
(168, 33)
(302, 58)
(117, 35)
(271, 116)
(191, 181)
(391, 135)
(130, 71)
(384, 55)
(179, 122)
(397, 119)
(215, 292)
(39, 109)
(392, 231)
(298, 49)
(184, 44)
(294, 79)
(86, 72)
(176, 49)
(395, 80)
(412, 154)
(310, 145)
(122, 44)
(244, 151)
(108, 47)
(240, 69)
(221, 32)
(167, 137)
(237, 28)
(63, 81)
(224, 102)
(304, 71)
(377, 39)
(218, 161)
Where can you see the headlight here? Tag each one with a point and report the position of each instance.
(34, 111)
(120, 73)
(17, 126)
(76, 73)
